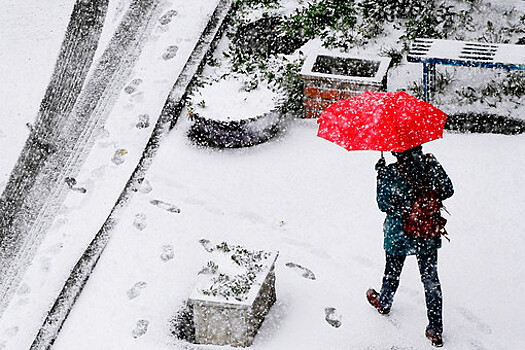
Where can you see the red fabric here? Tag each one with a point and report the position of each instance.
(381, 121)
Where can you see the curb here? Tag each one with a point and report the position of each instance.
(169, 115)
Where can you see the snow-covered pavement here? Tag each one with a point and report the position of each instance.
(116, 150)
(29, 46)
(315, 203)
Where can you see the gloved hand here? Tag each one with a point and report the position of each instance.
(380, 165)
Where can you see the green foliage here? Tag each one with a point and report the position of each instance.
(322, 18)
(433, 22)
(442, 81)
(390, 10)
(426, 19)
(256, 3)
(287, 76)
(396, 56)
(495, 91)
(234, 286)
(223, 247)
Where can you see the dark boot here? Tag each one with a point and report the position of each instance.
(373, 298)
(435, 338)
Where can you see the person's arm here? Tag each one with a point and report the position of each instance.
(392, 193)
(441, 181)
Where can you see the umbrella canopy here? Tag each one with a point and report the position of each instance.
(381, 121)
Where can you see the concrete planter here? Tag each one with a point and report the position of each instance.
(229, 113)
(234, 322)
(236, 133)
(330, 77)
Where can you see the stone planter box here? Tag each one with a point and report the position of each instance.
(330, 77)
(234, 322)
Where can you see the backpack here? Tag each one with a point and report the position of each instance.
(424, 219)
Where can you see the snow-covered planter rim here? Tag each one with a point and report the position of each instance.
(313, 55)
(277, 97)
(206, 280)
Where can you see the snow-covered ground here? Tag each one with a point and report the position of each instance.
(29, 46)
(314, 203)
(306, 198)
(116, 151)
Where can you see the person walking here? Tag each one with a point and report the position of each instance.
(398, 185)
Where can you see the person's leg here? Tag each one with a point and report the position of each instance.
(433, 296)
(393, 268)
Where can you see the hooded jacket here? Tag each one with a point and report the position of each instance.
(396, 195)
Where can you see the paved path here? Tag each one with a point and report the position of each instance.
(162, 44)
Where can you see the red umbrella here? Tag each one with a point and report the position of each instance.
(381, 121)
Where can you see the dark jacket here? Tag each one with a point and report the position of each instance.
(395, 195)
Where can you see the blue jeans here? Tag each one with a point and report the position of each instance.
(429, 276)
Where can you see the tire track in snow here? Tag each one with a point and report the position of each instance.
(169, 115)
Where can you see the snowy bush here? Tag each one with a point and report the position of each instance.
(233, 271)
(380, 27)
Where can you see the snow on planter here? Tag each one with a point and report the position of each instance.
(232, 113)
(234, 292)
(330, 77)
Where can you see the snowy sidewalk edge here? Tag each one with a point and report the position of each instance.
(169, 115)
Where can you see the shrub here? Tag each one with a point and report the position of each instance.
(322, 18)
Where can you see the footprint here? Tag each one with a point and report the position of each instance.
(143, 122)
(130, 89)
(167, 253)
(136, 290)
(132, 86)
(333, 317)
(166, 206)
(118, 156)
(140, 221)
(303, 271)
(140, 328)
(168, 17)
(170, 53)
(207, 245)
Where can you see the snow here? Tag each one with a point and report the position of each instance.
(232, 91)
(302, 196)
(82, 215)
(315, 203)
(223, 263)
(458, 50)
(29, 46)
